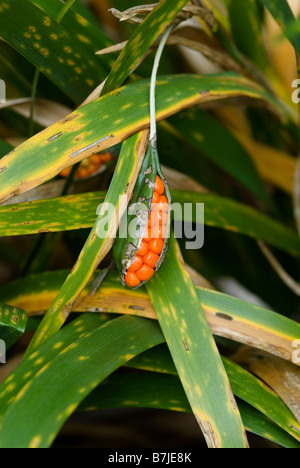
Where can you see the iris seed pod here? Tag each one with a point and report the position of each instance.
(147, 226)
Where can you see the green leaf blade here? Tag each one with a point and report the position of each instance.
(122, 339)
(12, 324)
(217, 143)
(51, 48)
(58, 214)
(111, 119)
(141, 40)
(148, 390)
(195, 354)
(284, 16)
(247, 30)
(100, 239)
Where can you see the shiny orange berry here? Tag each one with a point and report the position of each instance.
(82, 173)
(159, 218)
(85, 162)
(147, 236)
(145, 273)
(156, 246)
(106, 157)
(152, 220)
(91, 171)
(143, 249)
(66, 172)
(151, 259)
(96, 159)
(132, 280)
(163, 200)
(138, 262)
(155, 197)
(159, 232)
(159, 186)
(164, 218)
(161, 205)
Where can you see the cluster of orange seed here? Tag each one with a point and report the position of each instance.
(143, 267)
(89, 166)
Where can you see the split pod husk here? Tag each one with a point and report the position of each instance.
(143, 238)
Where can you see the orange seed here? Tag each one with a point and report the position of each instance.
(145, 273)
(156, 246)
(159, 186)
(143, 249)
(159, 232)
(138, 262)
(132, 280)
(151, 259)
(155, 197)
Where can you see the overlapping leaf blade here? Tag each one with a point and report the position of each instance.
(141, 41)
(99, 241)
(58, 214)
(122, 339)
(282, 13)
(148, 390)
(195, 354)
(247, 29)
(79, 26)
(213, 140)
(90, 129)
(12, 324)
(23, 373)
(51, 48)
(110, 120)
(226, 315)
(244, 385)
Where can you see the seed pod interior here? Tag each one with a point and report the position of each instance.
(148, 222)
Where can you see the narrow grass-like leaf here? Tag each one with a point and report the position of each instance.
(159, 360)
(218, 144)
(100, 240)
(141, 40)
(281, 376)
(195, 354)
(148, 390)
(244, 385)
(23, 374)
(63, 58)
(264, 157)
(262, 426)
(12, 324)
(91, 36)
(252, 222)
(5, 148)
(55, 7)
(38, 414)
(218, 10)
(227, 316)
(18, 84)
(247, 30)
(110, 120)
(61, 214)
(284, 16)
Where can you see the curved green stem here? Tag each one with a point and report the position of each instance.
(153, 131)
